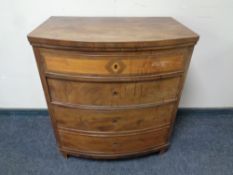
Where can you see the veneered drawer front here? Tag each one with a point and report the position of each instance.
(113, 120)
(113, 94)
(113, 143)
(71, 62)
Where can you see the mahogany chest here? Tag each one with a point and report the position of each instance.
(112, 84)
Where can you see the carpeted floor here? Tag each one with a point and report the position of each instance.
(202, 144)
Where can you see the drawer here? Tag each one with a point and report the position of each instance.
(113, 143)
(132, 63)
(112, 94)
(113, 120)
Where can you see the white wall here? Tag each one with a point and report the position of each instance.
(210, 78)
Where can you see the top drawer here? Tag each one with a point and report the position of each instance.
(122, 63)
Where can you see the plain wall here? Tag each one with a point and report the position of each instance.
(210, 78)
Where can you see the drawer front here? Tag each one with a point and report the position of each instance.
(112, 144)
(113, 94)
(113, 120)
(71, 62)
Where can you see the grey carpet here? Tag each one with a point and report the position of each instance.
(202, 144)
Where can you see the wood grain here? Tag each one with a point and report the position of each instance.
(112, 85)
(112, 32)
(113, 121)
(113, 94)
(104, 144)
(70, 62)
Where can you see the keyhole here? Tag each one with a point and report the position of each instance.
(114, 120)
(115, 66)
(115, 93)
(114, 144)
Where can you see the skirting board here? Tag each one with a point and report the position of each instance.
(181, 111)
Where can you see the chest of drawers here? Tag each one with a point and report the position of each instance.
(112, 85)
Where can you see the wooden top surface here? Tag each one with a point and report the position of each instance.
(111, 32)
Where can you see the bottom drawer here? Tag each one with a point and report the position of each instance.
(113, 144)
